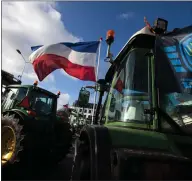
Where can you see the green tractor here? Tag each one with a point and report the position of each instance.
(31, 133)
(145, 128)
(79, 121)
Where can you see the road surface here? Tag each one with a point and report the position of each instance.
(60, 172)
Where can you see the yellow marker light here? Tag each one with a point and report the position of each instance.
(36, 82)
(110, 33)
(110, 37)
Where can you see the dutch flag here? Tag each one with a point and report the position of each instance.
(76, 59)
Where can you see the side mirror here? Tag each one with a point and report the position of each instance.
(103, 86)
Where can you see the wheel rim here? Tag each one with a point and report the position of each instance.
(8, 144)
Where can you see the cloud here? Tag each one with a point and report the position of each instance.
(26, 24)
(53, 89)
(63, 99)
(127, 15)
(50, 78)
(64, 73)
(103, 68)
(92, 98)
(32, 76)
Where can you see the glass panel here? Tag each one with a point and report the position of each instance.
(21, 94)
(42, 103)
(13, 95)
(179, 107)
(128, 95)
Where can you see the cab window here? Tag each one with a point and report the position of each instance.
(128, 96)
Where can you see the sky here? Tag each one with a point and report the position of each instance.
(26, 24)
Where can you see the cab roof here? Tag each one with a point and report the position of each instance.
(31, 86)
(143, 31)
(136, 39)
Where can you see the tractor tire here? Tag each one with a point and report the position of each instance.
(11, 140)
(63, 142)
(81, 162)
(24, 152)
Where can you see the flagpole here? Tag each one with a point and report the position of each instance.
(97, 72)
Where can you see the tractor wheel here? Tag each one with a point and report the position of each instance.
(63, 142)
(81, 161)
(11, 138)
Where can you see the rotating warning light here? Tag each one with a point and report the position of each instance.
(35, 83)
(110, 37)
(110, 33)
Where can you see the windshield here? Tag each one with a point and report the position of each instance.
(11, 96)
(42, 103)
(128, 96)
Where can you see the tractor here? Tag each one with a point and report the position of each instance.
(77, 117)
(145, 128)
(79, 121)
(31, 132)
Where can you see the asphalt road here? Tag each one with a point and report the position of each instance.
(62, 171)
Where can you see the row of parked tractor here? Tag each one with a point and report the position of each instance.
(76, 124)
(34, 132)
(31, 130)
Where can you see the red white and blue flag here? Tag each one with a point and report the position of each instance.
(76, 59)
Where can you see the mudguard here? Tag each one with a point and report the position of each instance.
(100, 149)
(17, 112)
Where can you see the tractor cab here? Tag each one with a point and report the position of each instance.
(31, 99)
(151, 82)
(30, 126)
(147, 112)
